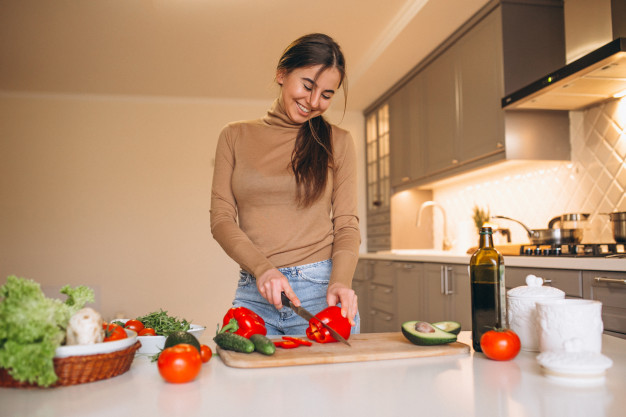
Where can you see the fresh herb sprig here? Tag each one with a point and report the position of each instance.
(164, 324)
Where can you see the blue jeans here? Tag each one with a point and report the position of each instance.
(309, 282)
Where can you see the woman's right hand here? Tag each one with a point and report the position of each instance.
(271, 283)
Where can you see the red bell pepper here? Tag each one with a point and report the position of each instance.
(286, 344)
(332, 317)
(298, 340)
(244, 322)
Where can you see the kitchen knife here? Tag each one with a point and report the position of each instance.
(302, 312)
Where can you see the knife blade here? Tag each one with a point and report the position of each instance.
(305, 314)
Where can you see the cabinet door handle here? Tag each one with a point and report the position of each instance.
(388, 318)
(446, 281)
(443, 289)
(609, 280)
(373, 287)
(388, 291)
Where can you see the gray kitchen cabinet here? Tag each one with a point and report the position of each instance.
(440, 93)
(399, 137)
(610, 289)
(378, 180)
(479, 82)
(393, 295)
(568, 280)
(447, 292)
(360, 285)
(447, 111)
(407, 123)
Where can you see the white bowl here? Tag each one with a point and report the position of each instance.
(154, 344)
(97, 348)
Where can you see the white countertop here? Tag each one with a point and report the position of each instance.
(468, 385)
(558, 262)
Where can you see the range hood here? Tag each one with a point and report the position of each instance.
(592, 79)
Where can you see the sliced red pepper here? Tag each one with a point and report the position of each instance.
(286, 344)
(299, 341)
(244, 322)
(332, 317)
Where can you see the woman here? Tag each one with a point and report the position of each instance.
(283, 202)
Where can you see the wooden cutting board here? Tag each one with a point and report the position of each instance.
(365, 347)
(506, 249)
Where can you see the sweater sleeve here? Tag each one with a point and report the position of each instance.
(224, 225)
(347, 238)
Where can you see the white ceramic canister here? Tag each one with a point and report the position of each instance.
(522, 313)
(570, 325)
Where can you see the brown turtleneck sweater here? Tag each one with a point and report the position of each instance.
(254, 216)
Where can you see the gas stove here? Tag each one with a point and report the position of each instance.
(598, 250)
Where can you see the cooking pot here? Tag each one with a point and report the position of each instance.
(618, 219)
(556, 236)
(569, 220)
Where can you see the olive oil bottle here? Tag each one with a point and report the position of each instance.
(486, 270)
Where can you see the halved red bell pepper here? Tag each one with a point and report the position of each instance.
(332, 317)
(244, 322)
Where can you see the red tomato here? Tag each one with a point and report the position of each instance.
(134, 325)
(147, 331)
(205, 353)
(113, 331)
(500, 344)
(180, 363)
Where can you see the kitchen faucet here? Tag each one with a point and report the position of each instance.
(447, 245)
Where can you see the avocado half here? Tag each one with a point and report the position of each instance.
(425, 334)
(449, 326)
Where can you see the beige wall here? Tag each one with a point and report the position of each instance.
(114, 193)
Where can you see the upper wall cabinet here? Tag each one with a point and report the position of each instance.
(445, 117)
(378, 179)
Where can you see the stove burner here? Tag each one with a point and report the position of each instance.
(578, 250)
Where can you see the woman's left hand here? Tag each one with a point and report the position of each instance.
(340, 293)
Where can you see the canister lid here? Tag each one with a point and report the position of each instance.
(586, 368)
(534, 289)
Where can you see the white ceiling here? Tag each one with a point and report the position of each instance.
(222, 49)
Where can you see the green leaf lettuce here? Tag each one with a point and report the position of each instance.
(32, 326)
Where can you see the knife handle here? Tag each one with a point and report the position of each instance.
(284, 299)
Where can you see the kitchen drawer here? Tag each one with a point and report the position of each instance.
(610, 289)
(378, 243)
(379, 217)
(383, 273)
(382, 297)
(383, 321)
(567, 280)
(363, 271)
(378, 229)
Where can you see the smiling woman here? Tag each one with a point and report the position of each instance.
(283, 203)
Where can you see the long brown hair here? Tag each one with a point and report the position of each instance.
(312, 155)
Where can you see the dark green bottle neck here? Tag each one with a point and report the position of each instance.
(486, 238)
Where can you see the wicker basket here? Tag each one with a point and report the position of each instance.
(80, 369)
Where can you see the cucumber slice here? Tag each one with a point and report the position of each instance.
(449, 326)
(425, 334)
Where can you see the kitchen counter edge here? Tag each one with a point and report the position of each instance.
(581, 263)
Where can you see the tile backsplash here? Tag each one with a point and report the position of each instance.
(593, 181)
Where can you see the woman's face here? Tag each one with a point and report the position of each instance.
(303, 95)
